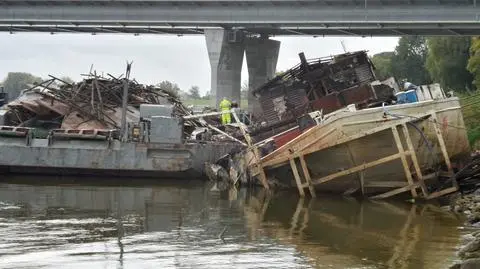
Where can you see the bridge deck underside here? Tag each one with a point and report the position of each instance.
(256, 17)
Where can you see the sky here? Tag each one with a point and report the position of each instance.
(182, 60)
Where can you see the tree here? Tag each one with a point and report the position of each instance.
(67, 79)
(474, 61)
(169, 87)
(15, 82)
(408, 61)
(447, 62)
(207, 95)
(383, 64)
(194, 92)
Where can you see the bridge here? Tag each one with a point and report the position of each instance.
(236, 27)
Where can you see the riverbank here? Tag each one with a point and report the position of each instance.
(469, 206)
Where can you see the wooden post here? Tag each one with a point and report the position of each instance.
(297, 177)
(401, 151)
(254, 149)
(441, 142)
(413, 155)
(262, 175)
(307, 176)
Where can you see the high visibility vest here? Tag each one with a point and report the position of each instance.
(225, 105)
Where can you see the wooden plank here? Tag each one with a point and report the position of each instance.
(306, 173)
(394, 192)
(441, 141)
(443, 147)
(293, 165)
(283, 153)
(263, 176)
(406, 169)
(281, 158)
(385, 184)
(317, 139)
(357, 168)
(442, 192)
(413, 155)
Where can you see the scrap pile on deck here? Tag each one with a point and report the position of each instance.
(328, 125)
(324, 84)
(93, 103)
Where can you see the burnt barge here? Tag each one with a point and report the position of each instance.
(84, 128)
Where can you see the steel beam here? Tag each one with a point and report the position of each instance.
(309, 17)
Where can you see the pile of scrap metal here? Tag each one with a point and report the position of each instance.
(325, 84)
(93, 103)
(291, 102)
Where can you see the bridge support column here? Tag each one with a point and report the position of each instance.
(262, 56)
(225, 51)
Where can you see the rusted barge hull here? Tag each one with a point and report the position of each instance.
(91, 157)
(378, 150)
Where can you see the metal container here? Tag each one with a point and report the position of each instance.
(148, 110)
(166, 130)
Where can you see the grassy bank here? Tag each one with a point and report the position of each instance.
(471, 115)
(205, 102)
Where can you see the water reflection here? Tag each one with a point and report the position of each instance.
(189, 226)
(346, 233)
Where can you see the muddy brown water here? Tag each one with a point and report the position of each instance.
(186, 225)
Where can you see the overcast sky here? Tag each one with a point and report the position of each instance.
(182, 60)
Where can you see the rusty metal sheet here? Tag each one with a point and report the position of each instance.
(357, 95)
(328, 103)
(286, 137)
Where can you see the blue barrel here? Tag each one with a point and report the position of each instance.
(401, 97)
(411, 96)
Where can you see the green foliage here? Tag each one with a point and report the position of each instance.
(15, 82)
(67, 79)
(447, 61)
(408, 61)
(170, 87)
(194, 92)
(474, 61)
(471, 116)
(207, 95)
(383, 64)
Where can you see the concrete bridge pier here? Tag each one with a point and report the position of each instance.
(262, 56)
(225, 51)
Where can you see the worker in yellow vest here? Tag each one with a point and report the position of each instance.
(225, 105)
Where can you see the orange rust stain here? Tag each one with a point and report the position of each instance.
(445, 123)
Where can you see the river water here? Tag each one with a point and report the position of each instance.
(187, 225)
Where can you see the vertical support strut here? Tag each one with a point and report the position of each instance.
(413, 155)
(441, 142)
(308, 178)
(297, 176)
(401, 151)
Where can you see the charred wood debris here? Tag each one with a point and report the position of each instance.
(93, 103)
